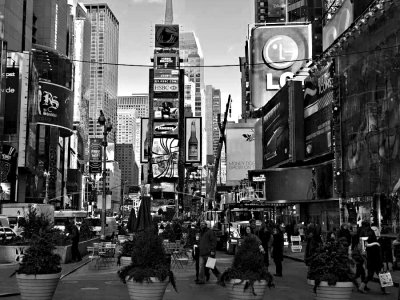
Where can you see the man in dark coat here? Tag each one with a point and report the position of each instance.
(73, 234)
(265, 237)
(277, 250)
(207, 245)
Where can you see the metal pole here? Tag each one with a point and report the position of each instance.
(103, 206)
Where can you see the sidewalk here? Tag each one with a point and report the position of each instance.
(299, 256)
(8, 285)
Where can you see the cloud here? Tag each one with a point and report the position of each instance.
(149, 1)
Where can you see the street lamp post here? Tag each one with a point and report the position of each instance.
(46, 195)
(107, 128)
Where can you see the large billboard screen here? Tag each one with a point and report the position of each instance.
(165, 128)
(166, 109)
(318, 97)
(165, 157)
(167, 36)
(55, 105)
(193, 138)
(277, 52)
(276, 130)
(340, 21)
(240, 152)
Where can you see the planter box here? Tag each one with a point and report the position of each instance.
(147, 290)
(339, 291)
(237, 292)
(41, 286)
(12, 253)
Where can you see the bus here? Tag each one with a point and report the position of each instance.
(73, 216)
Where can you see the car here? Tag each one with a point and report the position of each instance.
(6, 233)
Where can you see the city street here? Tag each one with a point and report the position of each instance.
(89, 284)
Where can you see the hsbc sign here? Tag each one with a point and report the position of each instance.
(165, 87)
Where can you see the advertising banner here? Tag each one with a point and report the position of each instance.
(166, 109)
(144, 140)
(193, 138)
(167, 36)
(240, 152)
(11, 100)
(55, 105)
(8, 171)
(165, 157)
(340, 21)
(165, 128)
(276, 130)
(277, 10)
(318, 97)
(95, 155)
(277, 52)
(166, 62)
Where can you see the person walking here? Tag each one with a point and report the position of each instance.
(73, 234)
(207, 245)
(196, 255)
(266, 241)
(277, 250)
(374, 261)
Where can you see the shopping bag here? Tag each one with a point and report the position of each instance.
(211, 263)
(385, 278)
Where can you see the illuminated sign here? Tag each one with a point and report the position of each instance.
(167, 36)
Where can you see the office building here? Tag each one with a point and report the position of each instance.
(125, 156)
(213, 109)
(103, 77)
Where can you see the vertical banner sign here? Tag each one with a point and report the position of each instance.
(193, 140)
(8, 162)
(11, 100)
(145, 140)
(95, 155)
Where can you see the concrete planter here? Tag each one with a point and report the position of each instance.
(12, 253)
(236, 291)
(125, 261)
(339, 291)
(38, 287)
(153, 290)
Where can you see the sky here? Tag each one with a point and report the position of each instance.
(221, 27)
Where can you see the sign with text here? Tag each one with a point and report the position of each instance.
(193, 139)
(240, 152)
(11, 100)
(165, 129)
(277, 52)
(95, 155)
(166, 62)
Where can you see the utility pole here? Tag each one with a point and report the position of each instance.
(219, 149)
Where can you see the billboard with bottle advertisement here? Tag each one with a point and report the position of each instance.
(193, 139)
(165, 157)
(240, 151)
(277, 52)
(318, 97)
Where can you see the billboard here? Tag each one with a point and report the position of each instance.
(11, 100)
(193, 139)
(55, 106)
(167, 36)
(318, 97)
(167, 62)
(144, 140)
(277, 52)
(166, 109)
(95, 155)
(340, 21)
(165, 128)
(165, 157)
(240, 151)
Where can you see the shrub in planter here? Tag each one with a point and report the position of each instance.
(149, 260)
(247, 266)
(126, 250)
(331, 263)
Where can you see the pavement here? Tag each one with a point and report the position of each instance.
(83, 281)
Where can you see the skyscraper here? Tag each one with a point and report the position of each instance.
(193, 61)
(103, 77)
(213, 109)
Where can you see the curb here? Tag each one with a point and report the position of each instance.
(74, 269)
(395, 284)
